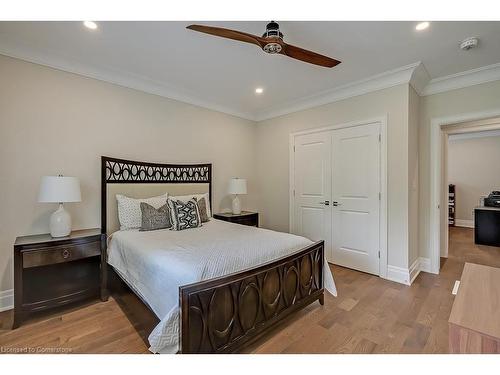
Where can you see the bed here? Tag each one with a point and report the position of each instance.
(212, 289)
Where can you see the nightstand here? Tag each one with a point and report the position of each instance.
(245, 218)
(51, 272)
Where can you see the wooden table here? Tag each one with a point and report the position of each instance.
(474, 324)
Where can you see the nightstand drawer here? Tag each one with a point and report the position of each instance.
(245, 218)
(60, 254)
(250, 221)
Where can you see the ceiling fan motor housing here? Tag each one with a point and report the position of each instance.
(273, 31)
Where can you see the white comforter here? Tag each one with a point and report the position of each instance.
(156, 263)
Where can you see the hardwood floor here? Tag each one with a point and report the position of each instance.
(371, 315)
(97, 327)
(463, 249)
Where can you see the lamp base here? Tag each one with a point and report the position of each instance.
(60, 222)
(236, 206)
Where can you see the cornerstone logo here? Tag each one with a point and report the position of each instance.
(33, 350)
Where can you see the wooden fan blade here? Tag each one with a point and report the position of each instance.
(308, 56)
(227, 33)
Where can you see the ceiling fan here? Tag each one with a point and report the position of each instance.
(270, 42)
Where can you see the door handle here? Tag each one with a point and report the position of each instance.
(326, 203)
(336, 204)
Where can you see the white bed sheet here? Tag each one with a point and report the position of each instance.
(156, 263)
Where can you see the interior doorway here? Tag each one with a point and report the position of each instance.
(473, 174)
(443, 132)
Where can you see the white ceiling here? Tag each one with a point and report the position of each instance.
(223, 74)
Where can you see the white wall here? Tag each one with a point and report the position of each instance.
(55, 122)
(273, 158)
(474, 167)
(474, 99)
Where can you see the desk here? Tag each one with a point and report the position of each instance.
(474, 324)
(487, 226)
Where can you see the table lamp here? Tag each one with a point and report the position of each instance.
(237, 186)
(59, 189)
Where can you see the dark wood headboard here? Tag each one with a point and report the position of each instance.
(121, 171)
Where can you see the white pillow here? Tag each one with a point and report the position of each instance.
(185, 198)
(129, 209)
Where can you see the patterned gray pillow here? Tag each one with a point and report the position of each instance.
(202, 207)
(184, 215)
(153, 219)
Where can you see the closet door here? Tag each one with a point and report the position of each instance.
(356, 197)
(312, 184)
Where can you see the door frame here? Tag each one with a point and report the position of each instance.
(438, 138)
(382, 122)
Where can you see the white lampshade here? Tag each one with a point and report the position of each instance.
(59, 189)
(237, 186)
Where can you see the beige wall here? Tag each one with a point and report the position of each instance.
(273, 158)
(474, 167)
(55, 122)
(413, 188)
(474, 99)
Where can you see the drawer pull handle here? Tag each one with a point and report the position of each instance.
(65, 253)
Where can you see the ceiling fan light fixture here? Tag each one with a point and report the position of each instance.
(272, 48)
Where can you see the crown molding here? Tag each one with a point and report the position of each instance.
(461, 80)
(116, 77)
(420, 78)
(414, 74)
(377, 82)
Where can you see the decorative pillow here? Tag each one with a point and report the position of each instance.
(153, 219)
(129, 209)
(184, 215)
(202, 207)
(185, 198)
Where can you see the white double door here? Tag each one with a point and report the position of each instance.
(337, 194)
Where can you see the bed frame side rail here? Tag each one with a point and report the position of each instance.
(225, 314)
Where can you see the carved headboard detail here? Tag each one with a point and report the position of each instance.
(121, 171)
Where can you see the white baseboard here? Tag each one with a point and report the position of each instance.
(425, 264)
(464, 223)
(6, 300)
(414, 270)
(408, 275)
(398, 274)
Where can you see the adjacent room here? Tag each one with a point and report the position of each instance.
(251, 187)
(474, 197)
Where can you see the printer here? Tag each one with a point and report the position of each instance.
(492, 200)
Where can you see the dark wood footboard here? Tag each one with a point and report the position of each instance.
(223, 315)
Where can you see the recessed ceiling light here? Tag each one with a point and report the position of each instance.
(90, 25)
(259, 90)
(422, 26)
